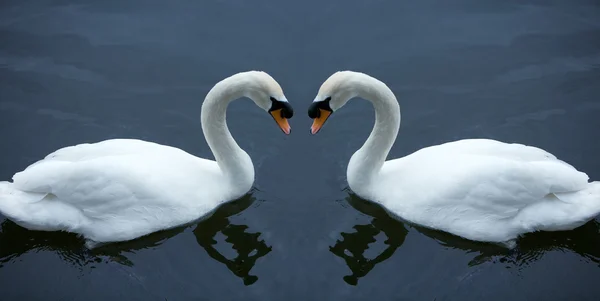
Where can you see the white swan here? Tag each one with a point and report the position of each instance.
(479, 189)
(121, 189)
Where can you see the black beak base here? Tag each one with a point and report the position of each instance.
(286, 109)
(313, 110)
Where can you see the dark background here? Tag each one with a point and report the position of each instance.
(84, 71)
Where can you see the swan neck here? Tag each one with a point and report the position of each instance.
(233, 161)
(366, 163)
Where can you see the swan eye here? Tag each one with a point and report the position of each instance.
(273, 98)
(327, 99)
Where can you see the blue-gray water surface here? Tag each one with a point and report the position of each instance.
(84, 71)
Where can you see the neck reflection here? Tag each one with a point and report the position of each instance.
(353, 245)
(247, 245)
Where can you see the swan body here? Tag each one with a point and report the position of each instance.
(479, 189)
(121, 189)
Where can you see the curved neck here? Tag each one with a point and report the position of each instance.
(232, 160)
(368, 160)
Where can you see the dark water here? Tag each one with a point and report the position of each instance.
(518, 71)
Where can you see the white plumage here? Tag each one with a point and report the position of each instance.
(114, 190)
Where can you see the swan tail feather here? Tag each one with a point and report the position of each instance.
(37, 211)
(41, 176)
(562, 211)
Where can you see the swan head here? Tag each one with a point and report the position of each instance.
(333, 94)
(268, 95)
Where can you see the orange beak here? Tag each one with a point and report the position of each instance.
(281, 122)
(319, 121)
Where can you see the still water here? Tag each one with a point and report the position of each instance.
(83, 71)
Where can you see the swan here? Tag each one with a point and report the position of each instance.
(121, 189)
(479, 189)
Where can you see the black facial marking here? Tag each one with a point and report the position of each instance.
(286, 109)
(313, 110)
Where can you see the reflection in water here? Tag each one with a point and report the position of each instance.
(16, 241)
(246, 244)
(584, 241)
(353, 245)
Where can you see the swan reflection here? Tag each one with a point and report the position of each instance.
(16, 241)
(353, 245)
(247, 245)
(584, 241)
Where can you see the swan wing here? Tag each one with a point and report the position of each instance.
(111, 147)
(488, 147)
(468, 188)
(121, 192)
